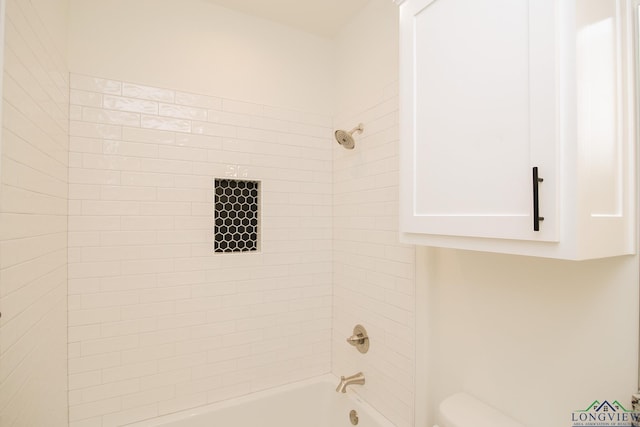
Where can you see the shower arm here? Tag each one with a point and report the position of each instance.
(359, 129)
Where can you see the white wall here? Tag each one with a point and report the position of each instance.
(366, 55)
(33, 216)
(196, 46)
(536, 338)
(526, 335)
(158, 322)
(373, 273)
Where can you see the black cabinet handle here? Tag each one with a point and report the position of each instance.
(536, 204)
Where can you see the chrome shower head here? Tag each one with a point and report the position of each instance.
(345, 138)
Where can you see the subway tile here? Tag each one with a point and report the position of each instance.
(257, 135)
(84, 192)
(214, 129)
(95, 130)
(182, 320)
(84, 380)
(110, 161)
(182, 403)
(213, 369)
(105, 345)
(165, 251)
(35, 134)
(152, 136)
(109, 299)
(94, 223)
(284, 114)
(181, 362)
(182, 194)
(167, 166)
(127, 283)
(227, 118)
(73, 349)
(199, 141)
(198, 305)
(94, 176)
(192, 222)
(165, 379)
(242, 107)
(75, 112)
(26, 201)
(110, 117)
(198, 345)
(167, 336)
(149, 310)
(147, 397)
(123, 148)
(165, 123)
(126, 238)
(242, 307)
(129, 104)
(75, 398)
(269, 124)
(125, 372)
(94, 84)
(147, 179)
(21, 176)
(198, 385)
(81, 333)
(147, 92)
(165, 294)
(94, 315)
(146, 266)
(95, 207)
(115, 192)
(88, 410)
(139, 355)
(128, 327)
(84, 98)
(195, 263)
(196, 100)
(129, 415)
(165, 208)
(141, 223)
(228, 392)
(83, 238)
(182, 112)
(194, 181)
(182, 153)
(190, 236)
(202, 209)
(106, 391)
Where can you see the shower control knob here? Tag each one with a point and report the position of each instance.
(359, 339)
(356, 339)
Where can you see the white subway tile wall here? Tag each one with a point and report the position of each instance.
(33, 222)
(158, 322)
(373, 273)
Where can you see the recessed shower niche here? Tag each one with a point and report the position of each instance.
(236, 215)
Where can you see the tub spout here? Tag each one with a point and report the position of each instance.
(353, 379)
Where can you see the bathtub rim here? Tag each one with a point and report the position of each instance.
(330, 379)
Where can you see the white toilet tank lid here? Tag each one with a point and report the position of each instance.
(464, 410)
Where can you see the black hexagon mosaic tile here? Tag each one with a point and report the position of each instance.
(236, 215)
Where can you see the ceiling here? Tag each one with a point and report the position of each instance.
(320, 17)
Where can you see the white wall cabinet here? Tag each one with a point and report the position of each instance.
(491, 90)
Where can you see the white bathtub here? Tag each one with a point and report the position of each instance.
(310, 403)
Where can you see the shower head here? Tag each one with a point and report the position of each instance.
(345, 138)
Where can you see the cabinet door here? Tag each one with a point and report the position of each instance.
(478, 112)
